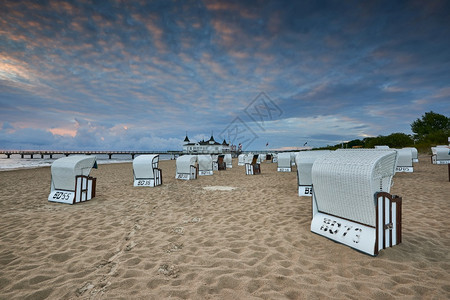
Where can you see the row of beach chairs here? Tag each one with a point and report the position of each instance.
(350, 189)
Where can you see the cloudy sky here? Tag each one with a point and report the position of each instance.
(138, 75)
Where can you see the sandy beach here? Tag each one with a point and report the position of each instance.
(182, 241)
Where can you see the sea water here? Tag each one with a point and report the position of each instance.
(16, 162)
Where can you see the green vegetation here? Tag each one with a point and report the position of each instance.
(431, 130)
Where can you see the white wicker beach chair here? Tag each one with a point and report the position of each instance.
(304, 161)
(228, 161)
(415, 155)
(145, 170)
(205, 165)
(440, 155)
(284, 162)
(71, 182)
(186, 167)
(275, 158)
(404, 160)
(241, 159)
(351, 200)
(252, 166)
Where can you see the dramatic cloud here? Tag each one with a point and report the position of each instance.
(139, 74)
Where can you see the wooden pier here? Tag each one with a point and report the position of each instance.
(50, 153)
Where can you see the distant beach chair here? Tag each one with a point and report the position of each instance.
(71, 182)
(228, 161)
(284, 162)
(205, 165)
(415, 155)
(252, 167)
(241, 159)
(440, 155)
(261, 158)
(145, 170)
(275, 158)
(269, 158)
(404, 160)
(381, 147)
(221, 165)
(351, 200)
(186, 167)
(304, 161)
(215, 157)
(293, 154)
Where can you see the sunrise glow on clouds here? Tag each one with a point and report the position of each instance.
(139, 74)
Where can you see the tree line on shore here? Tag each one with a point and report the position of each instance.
(430, 130)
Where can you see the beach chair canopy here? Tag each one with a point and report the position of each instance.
(143, 165)
(248, 158)
(442, 153)
(304, 161)
(241, 159)
(345, 182)
(284, 160)
(414, 152)
(65, 169)
(185, 162)
(404, 158)
(205, 163)
(381, 147)
(228, 159)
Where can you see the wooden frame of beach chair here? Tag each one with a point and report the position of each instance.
(146, 171)
(221, 164)
(186, 167)
(351, 203)
(404, 160)
(304, 161)
(284, 162)
(205, 165)
(254, 167)
(70, 181)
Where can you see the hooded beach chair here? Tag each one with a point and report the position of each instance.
(252, 166)
(186, 167)
(228, 161)
(351, 202)
(304, 161)
(71, 182)
(241, 159)
(404, 160)
(415, 156)
(284, 162)
(145, 170)
(440, 155)
(205, 165)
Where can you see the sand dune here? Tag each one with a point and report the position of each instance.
(182, 241)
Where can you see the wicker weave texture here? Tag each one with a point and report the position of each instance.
(345, 182)
(304, 161)
(284, 160)
(185, 162)
(405, 157)
(205, 163)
